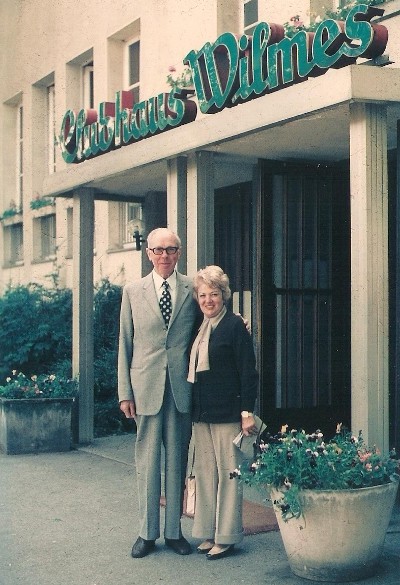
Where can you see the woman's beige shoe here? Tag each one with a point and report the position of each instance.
(219, 550)
(205, 547)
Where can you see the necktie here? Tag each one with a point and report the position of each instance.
(165, 303)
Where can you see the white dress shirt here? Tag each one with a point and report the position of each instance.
(158, 281)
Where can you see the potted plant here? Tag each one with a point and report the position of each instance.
(38, 202)
(35, 413)
(333, 500)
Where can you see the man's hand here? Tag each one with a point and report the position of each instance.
(128, 408)
(245, 321)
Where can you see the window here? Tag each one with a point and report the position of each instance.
(123, 61)
(20, 157)
(133, 68)
(44, 237)
(250, 13)
(128, 212)
(13, 245)
(88, 85)
(51, 129)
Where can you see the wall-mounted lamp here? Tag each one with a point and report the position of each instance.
(136, 229)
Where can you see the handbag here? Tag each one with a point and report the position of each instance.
(191, 491)
(246, 444)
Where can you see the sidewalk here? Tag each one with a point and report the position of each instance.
(71, 518)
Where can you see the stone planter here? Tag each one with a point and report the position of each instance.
(340, 535)
(36, 425)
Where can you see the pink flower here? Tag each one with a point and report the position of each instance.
(364, 456)
(296, 21)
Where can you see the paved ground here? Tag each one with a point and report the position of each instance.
(70, 519)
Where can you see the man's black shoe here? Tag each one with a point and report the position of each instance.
(179, 545)
(142, 547)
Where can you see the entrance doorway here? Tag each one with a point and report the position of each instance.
(234, 242)
(303, 282)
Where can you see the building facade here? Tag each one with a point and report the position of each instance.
(278, 160)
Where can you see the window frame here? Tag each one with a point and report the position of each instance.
(51, 129)
(88, 85)
(135, 86)
(253, 4)
(20, 156)
(44, 240)
(128, 211)
(13, 253)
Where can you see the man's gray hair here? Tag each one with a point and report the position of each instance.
(163, 231)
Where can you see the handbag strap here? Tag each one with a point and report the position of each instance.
(192, 466)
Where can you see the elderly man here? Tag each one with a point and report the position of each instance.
(158, 315)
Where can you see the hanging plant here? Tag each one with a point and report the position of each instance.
(14, 209)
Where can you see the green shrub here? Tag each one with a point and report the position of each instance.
(35, 329)
(36, 338)
(107, 302)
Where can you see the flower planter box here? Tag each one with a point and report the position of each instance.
(333, 500)
(340, 534)
(37, 425)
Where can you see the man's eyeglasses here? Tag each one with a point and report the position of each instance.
(170, 250)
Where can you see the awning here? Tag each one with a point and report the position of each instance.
(308, 121)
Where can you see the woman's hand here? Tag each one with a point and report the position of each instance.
(249, 426)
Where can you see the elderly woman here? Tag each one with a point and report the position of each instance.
(222, 370)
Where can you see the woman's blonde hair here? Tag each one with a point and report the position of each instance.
(214, 277)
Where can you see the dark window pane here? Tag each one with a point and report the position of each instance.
(294, 233)
(310, 234)
(325, 236)
(250, 12)
(324, 354)
(278, 236)
(136, 94)
(48, 236)
(91, 88)
(294, 353)
(134, 63)
(16, 248)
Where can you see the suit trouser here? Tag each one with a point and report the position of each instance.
(219, 499)
(170, 428)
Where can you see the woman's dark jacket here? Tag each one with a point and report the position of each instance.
(230, 385)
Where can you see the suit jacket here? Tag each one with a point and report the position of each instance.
(230, 385)
(147, 349)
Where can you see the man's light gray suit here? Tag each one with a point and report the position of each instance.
(152, 370)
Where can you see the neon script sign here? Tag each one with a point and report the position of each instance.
(226, 73)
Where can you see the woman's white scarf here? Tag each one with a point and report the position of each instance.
(199, 361)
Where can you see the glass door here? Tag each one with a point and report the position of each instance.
(303, 281)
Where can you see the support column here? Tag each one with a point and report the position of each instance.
(200, 211)
(395, 395)
(82, 322)
(177, 204)
(369, 274)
